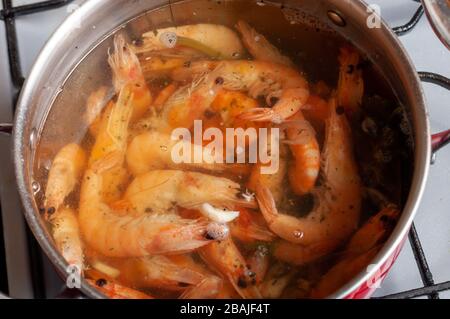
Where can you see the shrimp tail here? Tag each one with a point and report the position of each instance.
(266, 203)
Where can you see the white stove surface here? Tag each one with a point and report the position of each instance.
(433, 219)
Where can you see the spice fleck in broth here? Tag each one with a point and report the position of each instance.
(217, 160)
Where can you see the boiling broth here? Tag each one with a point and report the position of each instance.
(381, 136)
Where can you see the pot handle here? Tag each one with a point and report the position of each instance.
(6, 128)
(439, 140)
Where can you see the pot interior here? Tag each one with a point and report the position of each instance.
(76, 65)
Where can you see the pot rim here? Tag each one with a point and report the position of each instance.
(421, 158)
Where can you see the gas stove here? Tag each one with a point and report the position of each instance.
(421, 270)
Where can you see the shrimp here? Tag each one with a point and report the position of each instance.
(259, 47)
(163, 96)
(153, 150)
(114, 290)
(342, 273)
(277, 279)
(159, 66)
(282, 86)
(226, 258)
(131, 235)
(95, 104)
(305, 169)
(300, 255)
(374, 231)
(259, 262)
(304, 173)
(113, 133)
(273, 182)
(66, 233)
(231, 104)
(361, 249)
(286, 86)
(111, 138)
(228, 291)
(161, 191)
(316, 111)
(249, 227)
(127, 71)
(64, 175)
(351, 84)
(208, 288)
(214, 40)
(190, 102)
(172, 273)
(339, 198)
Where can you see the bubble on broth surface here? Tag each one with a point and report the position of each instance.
(36, 187)
(298, 234)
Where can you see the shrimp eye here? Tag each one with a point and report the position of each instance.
(242, 282)
(388, 221)
(139, 42)
(209, 114)
(51, 210)
(340, 110)
(274, 100)
(350, 69)
(101, 282)
(220, 80)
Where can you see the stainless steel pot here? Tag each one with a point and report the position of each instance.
(95, 20)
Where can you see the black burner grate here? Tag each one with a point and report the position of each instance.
(10, 12)
(8, 15)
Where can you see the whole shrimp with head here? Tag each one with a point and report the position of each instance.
(226, 259)
(64, 175)
(270, 75)
(162, 191)
(127, 71)
(301, 136)
(336, 214)
(127, 234)
(154, 150)
(284, 88)
(216, 41)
